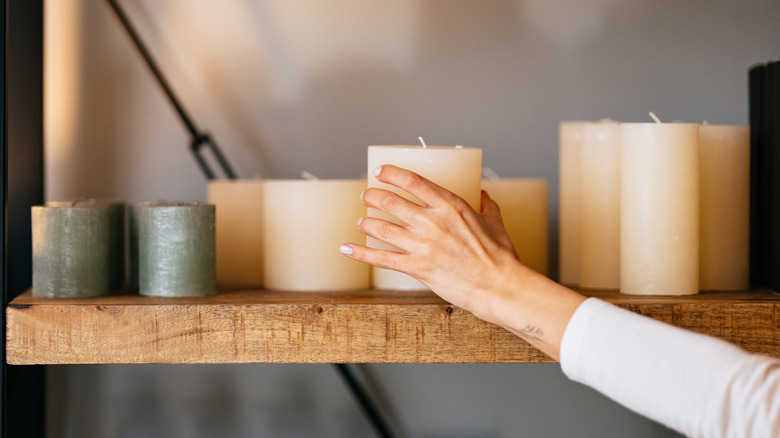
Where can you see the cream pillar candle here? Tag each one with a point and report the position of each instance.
(523, 203)
(600, 206)
(457, 169)
(239, 205)
(569, 177)
(305, 223)
(659, 207)
(71, 251)
(176, 248)
(724, 178)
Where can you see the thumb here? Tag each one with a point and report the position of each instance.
(491, 214)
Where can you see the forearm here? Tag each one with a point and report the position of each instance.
(534, 308)
(696, 384)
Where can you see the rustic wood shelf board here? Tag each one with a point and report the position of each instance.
(251, 326)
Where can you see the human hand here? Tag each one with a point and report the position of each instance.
(448, 246)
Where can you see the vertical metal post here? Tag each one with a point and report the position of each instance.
(22, 179)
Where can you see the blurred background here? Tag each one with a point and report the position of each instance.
(291, 85)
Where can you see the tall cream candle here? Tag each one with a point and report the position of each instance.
(600, 206)
(239, 229)
(659, 207)
(458, 169)
(569, 176)
(305, 223)
(724, 153)
(523, 203)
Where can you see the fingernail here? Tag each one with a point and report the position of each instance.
(359, 221)
(346, 250)
(377, 171)
(361, 194)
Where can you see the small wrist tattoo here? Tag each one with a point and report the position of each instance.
(530, 332)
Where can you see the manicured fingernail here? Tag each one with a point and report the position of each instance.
(377, 171)
(346, 250)
(361, 194)
(359, 221)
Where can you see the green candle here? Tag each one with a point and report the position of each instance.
(116, 237)
(71, 251)
(176, 248)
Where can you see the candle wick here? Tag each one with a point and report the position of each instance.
(308, 176)
(423, 143)
(490, 173)
(654, 117)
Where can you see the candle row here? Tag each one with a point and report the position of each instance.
(79, 248)
(654, 208)
(284, 234)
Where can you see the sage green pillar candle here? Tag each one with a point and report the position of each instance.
(176, 248)
(71, 251)
(116, 237)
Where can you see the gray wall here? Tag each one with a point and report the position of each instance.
(291, 85)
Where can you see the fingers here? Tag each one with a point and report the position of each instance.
(388, 232)
(376, 257)
(491, 214)
(390, 203)
(423, 189)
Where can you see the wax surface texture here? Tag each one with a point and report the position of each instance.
(71, 251)
(600, 206)
(176, 246)
(570, 176)
(305, 223)
(523, 204)
(239, 228)
(659, 209)
(724, 152)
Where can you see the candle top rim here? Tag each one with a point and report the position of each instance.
(303, 180)
(173, 204)
(676, 124)
(434, 147)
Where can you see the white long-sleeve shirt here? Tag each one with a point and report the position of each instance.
(699, 385)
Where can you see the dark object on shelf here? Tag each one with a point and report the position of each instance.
(764, 93)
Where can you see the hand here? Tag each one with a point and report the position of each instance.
(446, 245)
(465, 257)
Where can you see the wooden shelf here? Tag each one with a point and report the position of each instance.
(246, 326)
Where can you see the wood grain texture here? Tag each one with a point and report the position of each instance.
(246, 326)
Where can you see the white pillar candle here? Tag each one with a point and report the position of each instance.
(523, 203)
(659, 207)
(458, 169)
(600, 206)
(239, 229)
(569, 176)
(724, 153)
(305, 223)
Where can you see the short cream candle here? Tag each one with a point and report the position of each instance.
(570, 138)
(724, 160)
(239, 207)
(659, 207)
(305, 223)
(523, 204)
(600, 206)
(458, 169)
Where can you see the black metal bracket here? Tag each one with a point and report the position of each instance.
(198, 138)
